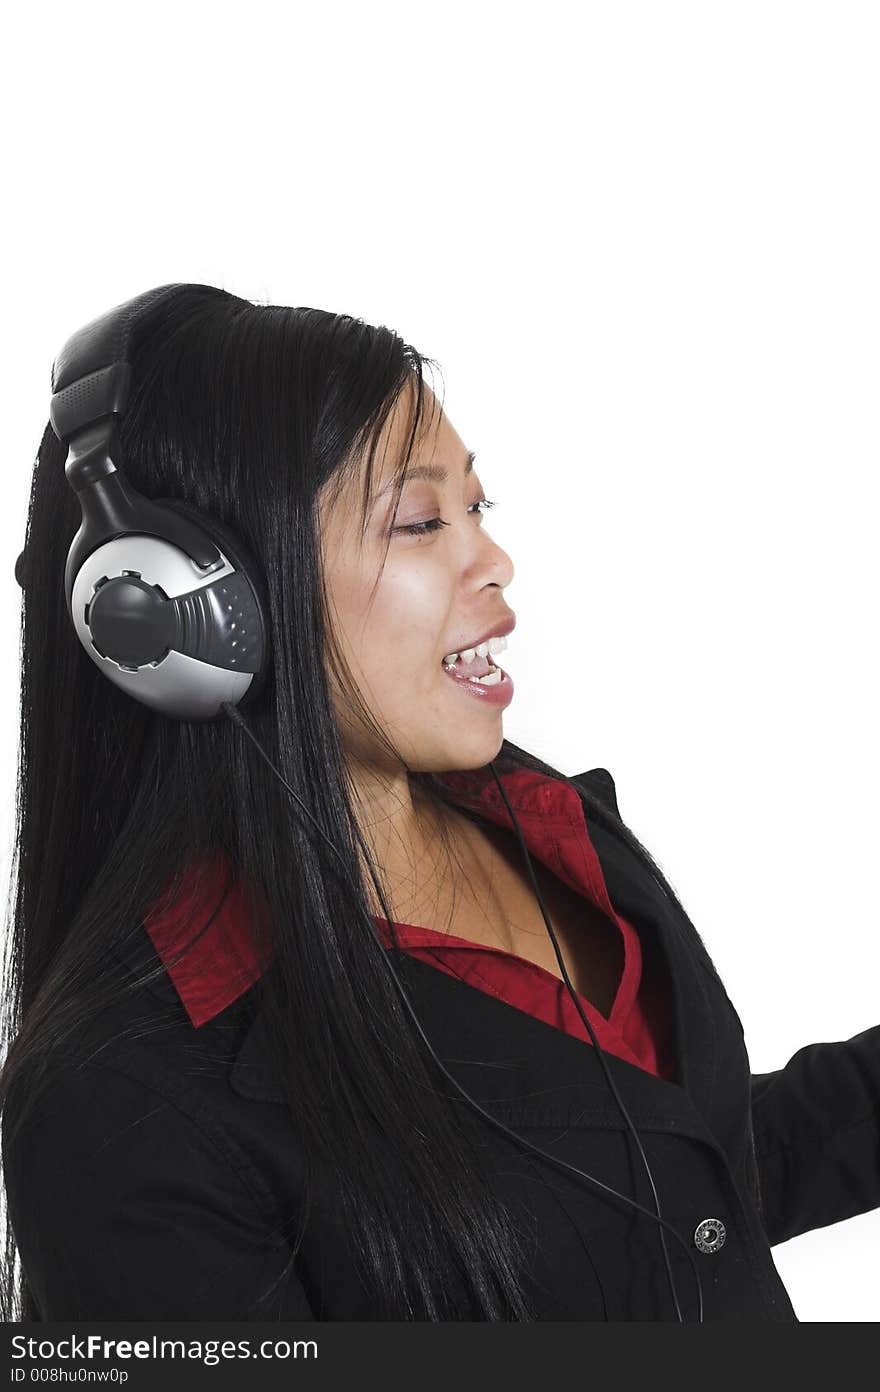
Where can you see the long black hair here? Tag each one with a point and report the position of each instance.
(253, 413)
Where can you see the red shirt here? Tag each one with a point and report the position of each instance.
(221, 965)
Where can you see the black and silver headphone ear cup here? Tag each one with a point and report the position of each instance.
(248, 573)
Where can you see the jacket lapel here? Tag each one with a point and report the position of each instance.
(637, 896)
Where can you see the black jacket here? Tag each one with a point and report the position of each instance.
(155, 1179)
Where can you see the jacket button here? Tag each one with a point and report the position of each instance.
(710, 1234)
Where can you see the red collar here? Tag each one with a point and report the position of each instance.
(222, 964)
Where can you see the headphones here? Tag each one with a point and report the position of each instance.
(170, 605)
(165, 600)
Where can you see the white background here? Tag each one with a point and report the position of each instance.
(641, 239)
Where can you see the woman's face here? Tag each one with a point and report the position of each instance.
(439, 590)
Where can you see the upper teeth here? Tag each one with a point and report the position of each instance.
(491, 645)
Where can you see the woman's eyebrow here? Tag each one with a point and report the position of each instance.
(428, 471)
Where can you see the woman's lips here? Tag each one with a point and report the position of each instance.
(500, 693)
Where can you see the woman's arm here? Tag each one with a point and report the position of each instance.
(123, 1209)
(817, 1135)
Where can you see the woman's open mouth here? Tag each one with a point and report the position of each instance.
(483, 678)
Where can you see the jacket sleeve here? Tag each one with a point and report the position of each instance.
(817, 1135)
(123, 1209)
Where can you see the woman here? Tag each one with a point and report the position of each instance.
(259, 964)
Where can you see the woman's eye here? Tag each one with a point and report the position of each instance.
(434, 524)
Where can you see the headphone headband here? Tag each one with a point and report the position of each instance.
(92, 373)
